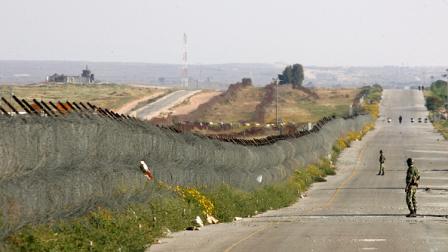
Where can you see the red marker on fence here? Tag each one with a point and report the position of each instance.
(146, 170)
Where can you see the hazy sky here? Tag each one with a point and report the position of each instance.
(312, 32)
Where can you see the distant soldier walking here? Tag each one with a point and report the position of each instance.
(382, 159)
(412, 180)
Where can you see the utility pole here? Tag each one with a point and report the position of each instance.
(185, 78)
(276, 101)
(445, 75)
(10, 94)
(423, 80)
(446, 95)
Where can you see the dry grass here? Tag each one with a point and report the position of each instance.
(110, 96)
(442, 127)
(294, 105)
(238, 108)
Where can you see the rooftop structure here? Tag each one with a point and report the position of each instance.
(86, 77)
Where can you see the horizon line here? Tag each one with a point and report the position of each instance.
(223, 63)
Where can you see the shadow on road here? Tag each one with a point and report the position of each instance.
(381, 188)
(350, 215)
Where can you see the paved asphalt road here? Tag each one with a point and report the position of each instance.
(356, 210)
(164, 103)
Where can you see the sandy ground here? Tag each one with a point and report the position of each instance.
(194, 102)
(125, 109)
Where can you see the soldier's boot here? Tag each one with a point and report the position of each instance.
(414, 214)
(382, 174)
(412, 211)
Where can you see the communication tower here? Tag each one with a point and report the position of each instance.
(185, 64)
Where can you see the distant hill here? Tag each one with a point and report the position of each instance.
(216, 76)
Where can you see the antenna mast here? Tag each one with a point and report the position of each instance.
(185, 64)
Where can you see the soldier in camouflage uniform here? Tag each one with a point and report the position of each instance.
(382, 159)
(412, 180)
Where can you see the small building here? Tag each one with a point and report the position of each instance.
(86, 77)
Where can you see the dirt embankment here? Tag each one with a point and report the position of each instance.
(212, 109)
(268, 98)
(245, 103)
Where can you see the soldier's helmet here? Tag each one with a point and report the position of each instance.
(381, 151)
(409, 161)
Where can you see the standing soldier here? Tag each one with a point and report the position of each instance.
(382, 159)
(412, 180)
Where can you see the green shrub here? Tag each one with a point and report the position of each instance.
(439, 89)
(230, 202)
(103, 230)
(372, 93)
(433, 102)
